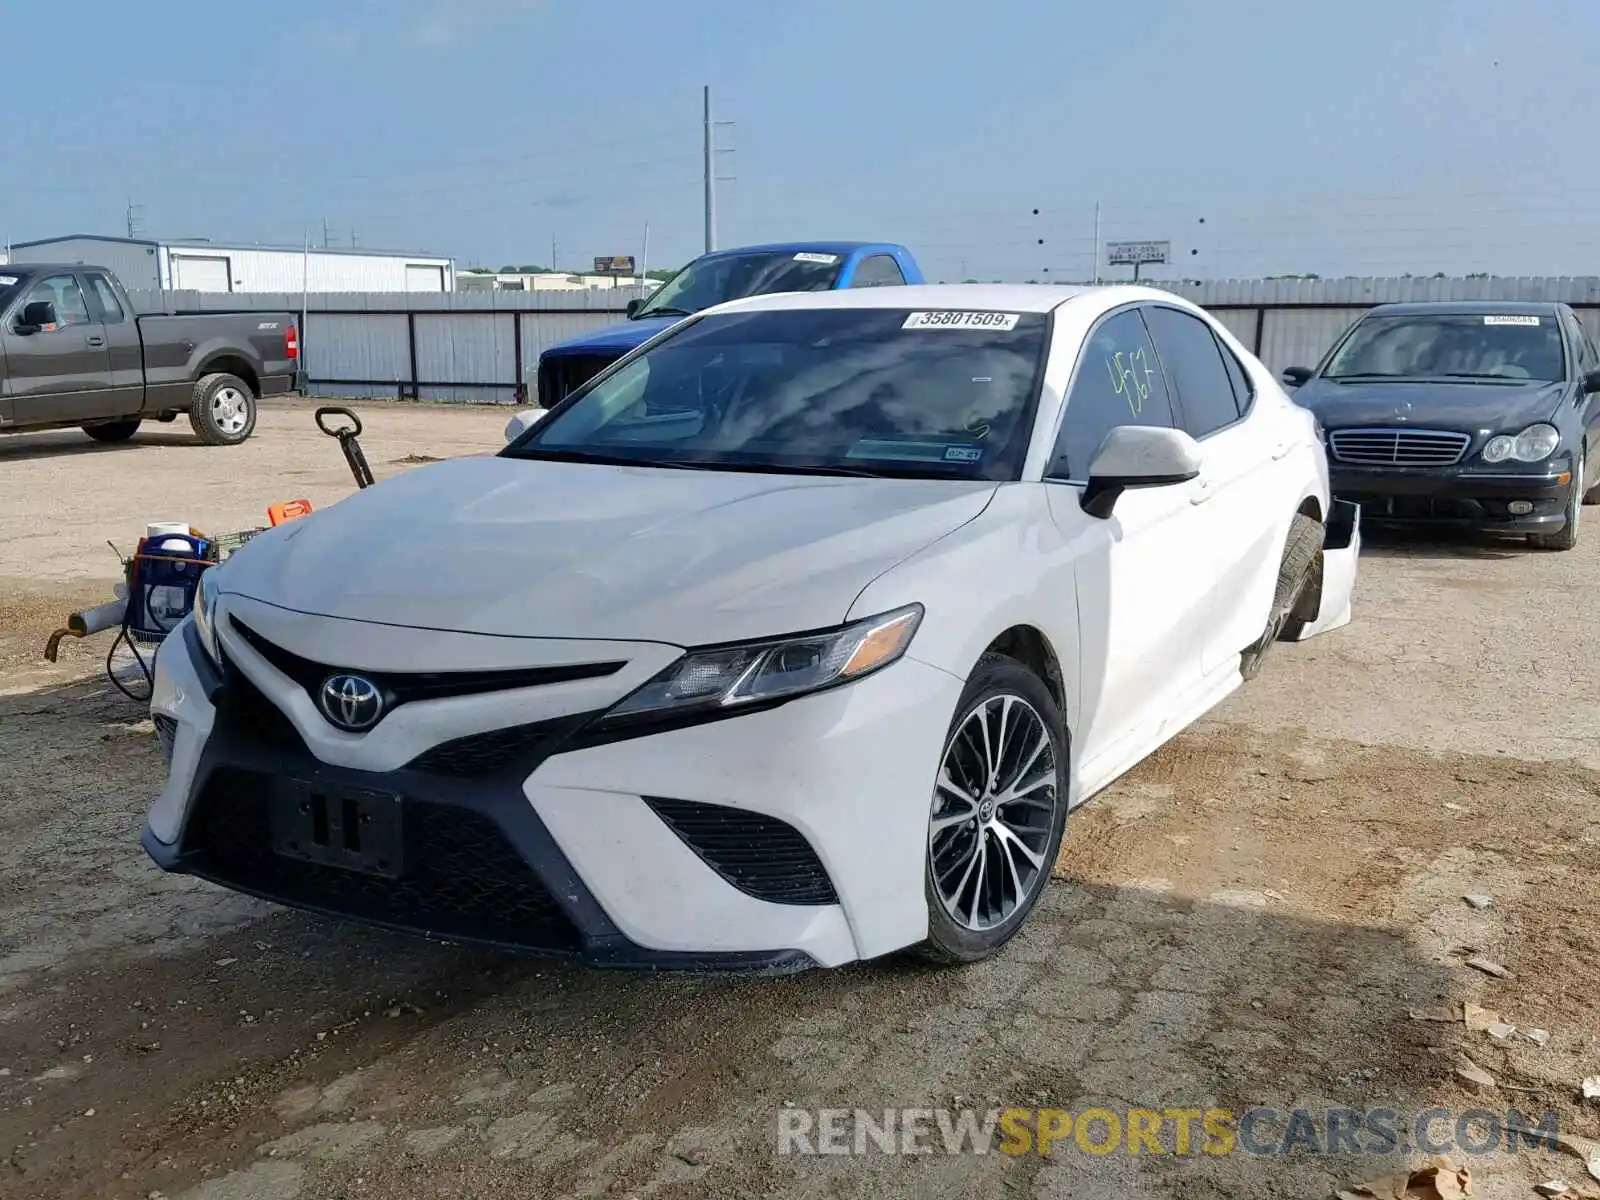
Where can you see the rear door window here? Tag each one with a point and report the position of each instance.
(878, 270)
(103, 300)
(1195, 366)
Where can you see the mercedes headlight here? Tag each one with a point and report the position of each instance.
(205, 605)
(730, 676)
(1534, 444)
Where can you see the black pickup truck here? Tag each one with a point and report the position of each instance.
(74, 353)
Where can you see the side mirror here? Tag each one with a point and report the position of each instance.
(1138, 456)
(1295, 376)
(1591, 383)
(522, 422)
(633, 308)
(36, 316)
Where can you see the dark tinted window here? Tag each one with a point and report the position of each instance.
(1580, 340)
(1194, 364)
(1118, 383)
(1244, 392)
(879, 270)
(869, 390)
(1445, 345)
(721, 277)
(103, 300)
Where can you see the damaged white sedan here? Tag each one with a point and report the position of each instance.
(789, 639)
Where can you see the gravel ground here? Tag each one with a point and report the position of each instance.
(1249, 918)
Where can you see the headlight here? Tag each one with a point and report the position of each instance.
(1534, 444)
(731, 676)
(205, 603)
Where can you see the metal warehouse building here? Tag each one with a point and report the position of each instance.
(204, 266)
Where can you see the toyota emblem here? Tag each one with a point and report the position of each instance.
(351, 702)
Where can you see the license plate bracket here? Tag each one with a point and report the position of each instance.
(354, 829)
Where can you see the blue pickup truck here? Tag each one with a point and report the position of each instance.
(717, 277)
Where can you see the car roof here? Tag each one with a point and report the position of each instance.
(39, 268)
(824, 247)
(1544, 308)
(996, 297)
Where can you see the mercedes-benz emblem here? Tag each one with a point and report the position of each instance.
(351, 702)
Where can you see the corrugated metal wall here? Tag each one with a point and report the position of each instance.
(134, 262)
(359, 344)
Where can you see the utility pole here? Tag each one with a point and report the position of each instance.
(1097, 244)
(133, 215)
(552, 252)
(352, 237)
(711, 175)
(644, 257)
(327, 238)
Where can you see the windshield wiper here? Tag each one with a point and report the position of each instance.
(1484, 376)
(1363, 375)
(609, 460)
(664, 311)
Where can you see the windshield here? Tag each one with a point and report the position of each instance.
(708, 281)
(1452, 345)
(856, 391)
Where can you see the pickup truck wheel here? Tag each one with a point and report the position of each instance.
(112, 431)
(223, 412)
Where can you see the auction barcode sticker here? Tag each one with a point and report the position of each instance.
(809, 256)
(1511, 320)
(961, 320)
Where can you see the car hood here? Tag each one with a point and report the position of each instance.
(523, 548)
(1468, 407)
(615, 339)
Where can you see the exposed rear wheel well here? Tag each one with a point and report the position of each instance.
(1310, 508)
(228, 364)
(1030, 648)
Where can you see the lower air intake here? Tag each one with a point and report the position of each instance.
(760, 855)
(463, 879)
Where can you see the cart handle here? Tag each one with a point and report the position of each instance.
(353, 430)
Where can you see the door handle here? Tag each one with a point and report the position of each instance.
(96, 340)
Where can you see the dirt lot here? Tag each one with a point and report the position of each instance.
(1248, 919)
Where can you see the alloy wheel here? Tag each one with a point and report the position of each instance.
(994, 807)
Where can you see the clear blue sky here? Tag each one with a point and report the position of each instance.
(1351, 137)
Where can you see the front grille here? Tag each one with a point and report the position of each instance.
(1398, 447)
(245, 710)
(760, 855)
(483, 754)
(463, 879)
(562, 374)
(401, 687)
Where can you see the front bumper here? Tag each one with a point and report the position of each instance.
(1458, 497)
(773, 840)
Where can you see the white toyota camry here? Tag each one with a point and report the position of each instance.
(790, 639)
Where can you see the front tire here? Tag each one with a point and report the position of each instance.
(1302, 560)
(998, 811)
(1565, 538)
(223, 411)
(113, 431)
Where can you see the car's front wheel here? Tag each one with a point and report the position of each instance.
(1566, 537)
(999, 808)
